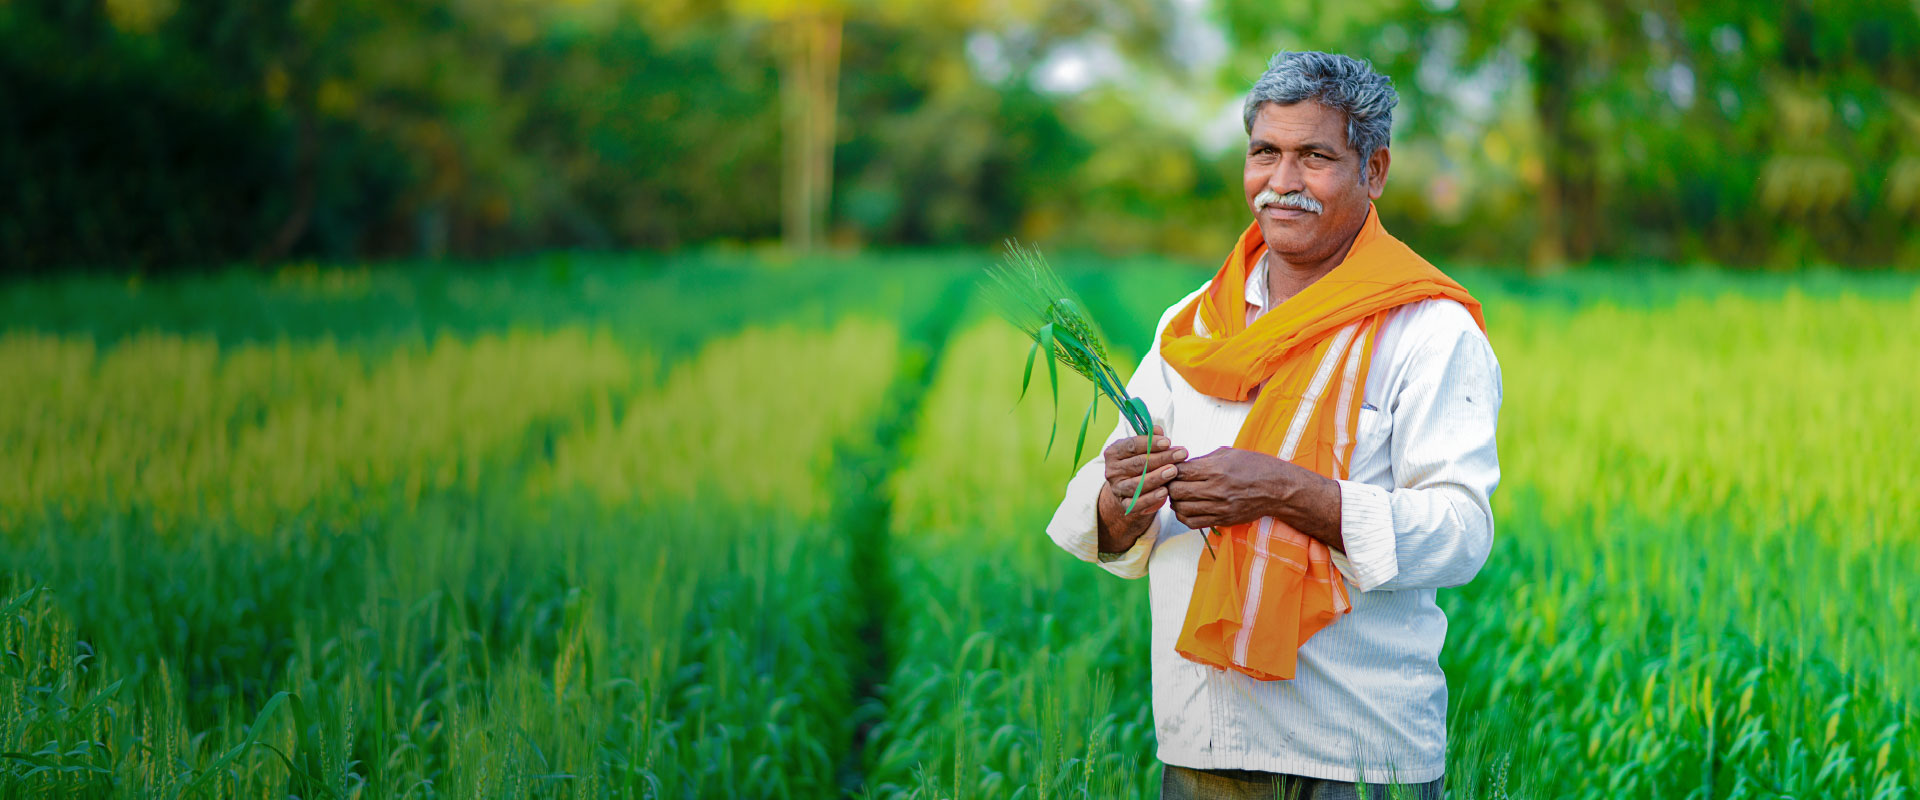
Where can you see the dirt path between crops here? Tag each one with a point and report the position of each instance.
(864, 512)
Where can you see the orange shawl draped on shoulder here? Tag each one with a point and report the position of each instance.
(1268, 587)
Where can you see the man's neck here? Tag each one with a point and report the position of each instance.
(1286, 279)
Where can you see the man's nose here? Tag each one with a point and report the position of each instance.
(1287, 176)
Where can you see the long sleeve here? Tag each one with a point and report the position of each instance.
(1434, 529)
(1075, 525)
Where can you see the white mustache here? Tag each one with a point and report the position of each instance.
(1299, 200)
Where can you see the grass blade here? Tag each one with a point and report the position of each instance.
(1027, 377)
(1079, 445)
(1045, 340)
(1138, 486)
(212, 770)
(293, 769)
(1137, 415)
(1135, 410)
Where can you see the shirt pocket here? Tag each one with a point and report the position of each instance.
(1372, 447)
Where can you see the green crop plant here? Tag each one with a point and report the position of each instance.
(1000, 642)
(140, 423)
(1695, 560)
(178, 429)
(1032, 297)
(770, 402)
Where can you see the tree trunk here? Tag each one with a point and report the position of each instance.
(303, 99)
(305, 176)
(810, 96)
(1552, 74)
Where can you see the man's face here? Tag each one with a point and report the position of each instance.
(1300, 152)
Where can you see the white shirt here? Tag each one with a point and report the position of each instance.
(1368, 700)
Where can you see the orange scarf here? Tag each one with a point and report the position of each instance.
(1269, 587)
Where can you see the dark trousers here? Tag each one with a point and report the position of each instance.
(1181, 783)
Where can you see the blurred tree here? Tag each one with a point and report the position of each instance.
(158, 132)
(1661, 128)
(808, 35)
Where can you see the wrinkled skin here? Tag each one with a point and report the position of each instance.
(1303, 148)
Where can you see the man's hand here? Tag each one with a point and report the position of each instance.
(1126, 460)
(1230, 486)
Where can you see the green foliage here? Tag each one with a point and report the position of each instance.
(119, 149)
(1001, 643)
(155, 134)
(1581, 130)
(51, 702)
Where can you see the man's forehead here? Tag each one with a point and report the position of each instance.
(1299, 122)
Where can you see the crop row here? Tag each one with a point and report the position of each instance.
(505, 566)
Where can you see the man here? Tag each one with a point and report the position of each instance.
(1322, 461)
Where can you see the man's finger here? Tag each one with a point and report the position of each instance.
(1196, 469)
(1150, 502)
(1132, 467)
(1195, 514)
(1154, 480)
(1135, 465)
(1193, 491)
(1134, 446)
(1199, 514)
(1139, 445)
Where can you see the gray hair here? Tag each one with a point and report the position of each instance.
(1342, 83)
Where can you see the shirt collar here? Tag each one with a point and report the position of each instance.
(1256, 288)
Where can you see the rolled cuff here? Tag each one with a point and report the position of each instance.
(1076, 526)
(1366, 525)
(1133, 562)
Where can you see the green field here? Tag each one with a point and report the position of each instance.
(715, 527)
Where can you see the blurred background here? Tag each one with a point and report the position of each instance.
(158, 134)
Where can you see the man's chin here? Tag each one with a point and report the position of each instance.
(1287, 238)
(1301, 229)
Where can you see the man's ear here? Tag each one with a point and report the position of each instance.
(1377, 172)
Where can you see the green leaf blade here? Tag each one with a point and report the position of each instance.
(1138, 416)
(1045, 340)
(1136, 490)
(1079, 445)
(1027, 377)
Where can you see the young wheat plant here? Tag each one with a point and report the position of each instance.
(1031, 296)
